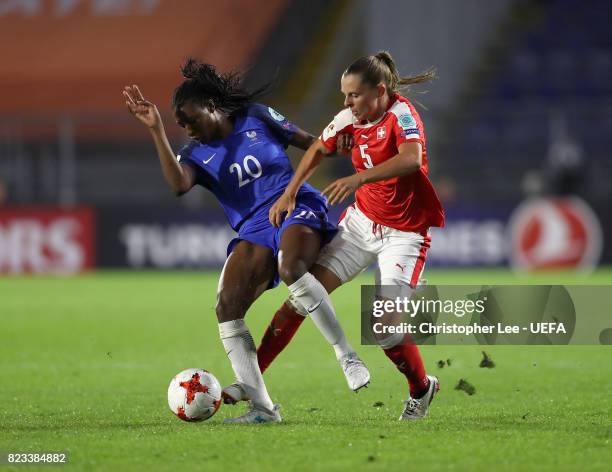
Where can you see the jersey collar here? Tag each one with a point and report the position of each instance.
(369, 124)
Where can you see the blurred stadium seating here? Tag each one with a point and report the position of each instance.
(548, 59)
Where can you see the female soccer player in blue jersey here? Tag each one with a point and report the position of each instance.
(237, 151)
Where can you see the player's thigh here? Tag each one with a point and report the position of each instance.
(401, 259)
(345, 256)
(400, 263)
(246, 274)
(299, 249)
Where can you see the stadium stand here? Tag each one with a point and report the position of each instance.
(551, 59)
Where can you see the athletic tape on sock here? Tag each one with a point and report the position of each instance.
(229, 329)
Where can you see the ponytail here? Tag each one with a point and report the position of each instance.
(381, 68)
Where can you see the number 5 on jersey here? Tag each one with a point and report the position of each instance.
(367, 160)
(247, 169)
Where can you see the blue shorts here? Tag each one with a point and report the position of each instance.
(310, 210)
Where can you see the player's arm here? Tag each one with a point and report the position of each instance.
(289, 133)
(286, 203)
(406, 161)
(303, 140)
(312, 158)
(179, 177)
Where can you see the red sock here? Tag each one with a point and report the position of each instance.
(283, 326)
(407, 359)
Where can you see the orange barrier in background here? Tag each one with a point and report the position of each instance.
(76, 55)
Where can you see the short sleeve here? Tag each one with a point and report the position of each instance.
(281, 127)
(342, 122)
(406, 128)
(185, 153)
(185, 158)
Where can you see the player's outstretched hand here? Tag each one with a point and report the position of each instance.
(143, 110)
(344, 144)
(283, 206)
(339, 190)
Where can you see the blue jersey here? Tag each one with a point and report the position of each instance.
(249, 167)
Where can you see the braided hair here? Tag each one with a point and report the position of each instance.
(205, 86)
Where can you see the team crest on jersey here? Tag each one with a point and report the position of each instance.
(407, 121)
(381, 132)
(276, 115)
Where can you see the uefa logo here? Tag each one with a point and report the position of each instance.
(554, 233)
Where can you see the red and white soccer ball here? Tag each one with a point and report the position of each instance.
(194, 395)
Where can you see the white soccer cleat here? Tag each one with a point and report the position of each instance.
(416, 408)
(233, 394)
(356, 373)
(257, 415)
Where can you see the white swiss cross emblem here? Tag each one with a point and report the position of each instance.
(381, 132)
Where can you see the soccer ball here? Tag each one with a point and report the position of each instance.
(194, 395)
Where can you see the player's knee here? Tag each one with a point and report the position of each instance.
(229, 307)
(291, 270)
(387, 341)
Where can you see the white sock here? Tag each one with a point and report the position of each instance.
(241, 352)
(308, 292)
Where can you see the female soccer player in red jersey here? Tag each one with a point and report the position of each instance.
(395, 206)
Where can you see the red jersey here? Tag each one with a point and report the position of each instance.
(407, 203)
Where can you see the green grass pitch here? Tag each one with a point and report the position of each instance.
(86, 361)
